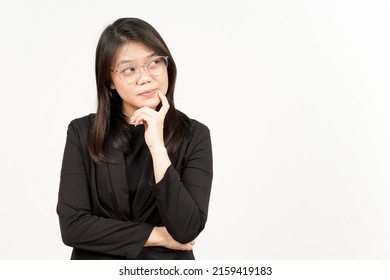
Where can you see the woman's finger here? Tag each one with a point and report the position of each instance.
(164, 101)
(135, 118)
(145, 116)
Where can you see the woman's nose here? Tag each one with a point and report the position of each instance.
(143, 75)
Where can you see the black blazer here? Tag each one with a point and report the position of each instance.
(95, 215)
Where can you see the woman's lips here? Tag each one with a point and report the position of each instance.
(148, 92)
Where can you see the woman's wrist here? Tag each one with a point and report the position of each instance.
(161, 237)
(158, 150)
(161, 162)
(156, 237)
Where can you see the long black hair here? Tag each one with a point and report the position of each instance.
(110, 124)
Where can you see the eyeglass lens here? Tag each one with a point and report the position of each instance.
(155, 67)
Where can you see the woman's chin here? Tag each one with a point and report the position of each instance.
(150, 104)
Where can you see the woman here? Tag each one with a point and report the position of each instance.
(136, 176)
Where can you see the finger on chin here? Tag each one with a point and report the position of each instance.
(164, 101)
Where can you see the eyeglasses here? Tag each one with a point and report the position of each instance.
(131, 73)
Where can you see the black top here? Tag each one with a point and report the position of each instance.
(108, 211)
(135, 161)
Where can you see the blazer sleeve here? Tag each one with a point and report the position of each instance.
(183, 198)
(80, 228)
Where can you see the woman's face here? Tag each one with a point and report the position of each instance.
(142, 89)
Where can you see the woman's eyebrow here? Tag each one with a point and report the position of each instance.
(124, 61)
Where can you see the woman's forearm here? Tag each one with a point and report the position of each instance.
(161, 162)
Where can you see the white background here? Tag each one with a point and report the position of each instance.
(295, 93)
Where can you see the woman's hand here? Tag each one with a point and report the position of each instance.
(154, 135)
(161, 237)
(153, 121)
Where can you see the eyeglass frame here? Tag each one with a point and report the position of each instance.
(138, 67)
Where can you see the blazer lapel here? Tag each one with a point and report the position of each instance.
(114, 189)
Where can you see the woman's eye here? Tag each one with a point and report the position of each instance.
(128, 70)
(154, 62)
